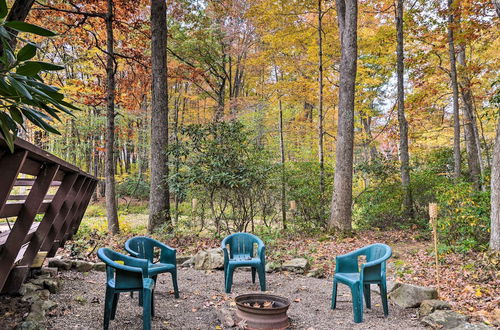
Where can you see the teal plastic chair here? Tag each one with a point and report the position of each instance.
(126, 274)
(239, 252)
(359, 280)
(143, 247)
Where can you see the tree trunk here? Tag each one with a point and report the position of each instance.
(371, 150)
(404, 155)
(282, 155)
(495, 194)
(111, 207)
(320, 106)
(18, 12)
(473, 151)
(457, 162)
(142, 129)
(341, 212)
(159, 198)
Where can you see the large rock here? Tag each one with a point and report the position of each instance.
(59, 263)
(209, 259)
(409, 296)
(226, 318)
(188, 263)
(51, 284)
(28, 325)
(36, 296)
(48, 271)
(473, 326)
(181, 259)
(391, 285)
(99, 267)
(317, 273)
(444, 319)
(83, 266)
(297, 265)
(28, 288)
(429, 306)
(272, 266)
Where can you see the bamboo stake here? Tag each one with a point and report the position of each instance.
(433, 213)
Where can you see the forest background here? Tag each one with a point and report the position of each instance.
(253, 106)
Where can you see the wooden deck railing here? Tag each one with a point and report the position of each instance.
(34, 182)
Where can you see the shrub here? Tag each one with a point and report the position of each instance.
(302, 180)
(225, 170)
(464, 221)
(133, 187)
(380, 206)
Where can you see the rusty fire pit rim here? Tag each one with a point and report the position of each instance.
(263, 296)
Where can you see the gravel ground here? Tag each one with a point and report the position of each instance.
(81, 303)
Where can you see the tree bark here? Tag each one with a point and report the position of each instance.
(371, 151)
(282, 154)
(495, 194)
(111, 207)
(472, 144)
(404, 155)
(18, 12)
(341, 212)
(159, 198)
(320, 105)
(457, 161)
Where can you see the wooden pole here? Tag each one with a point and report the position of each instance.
(433, 213)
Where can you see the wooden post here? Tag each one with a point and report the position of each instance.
(433, 213)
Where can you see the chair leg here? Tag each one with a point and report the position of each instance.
(262, 277)
(115, 303)
(357, 302)
(152, 303)
(174, 282)
(383, 295)
(367, 294)
(229, 278)
(334, 294)
(141, 298)
(108, 305)
(254, 270)
(146, 308)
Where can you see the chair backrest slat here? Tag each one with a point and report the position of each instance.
(241, 244)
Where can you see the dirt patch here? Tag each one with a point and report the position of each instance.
(81, 303)
(12, 311)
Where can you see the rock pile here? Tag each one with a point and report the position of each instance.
(37, 291)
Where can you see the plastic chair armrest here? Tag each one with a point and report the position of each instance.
(261, 252)
(167, 254)
(131, 252)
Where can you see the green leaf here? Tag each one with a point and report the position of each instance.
(16, 114)
(6, 132)
(21, 90)
(30, 28)
(37, 118)
(48, 66)
(27, 52)
(8, 57)
(29, 69)
(4, 33)
(3, 9)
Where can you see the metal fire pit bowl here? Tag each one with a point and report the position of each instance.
(273, 317)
